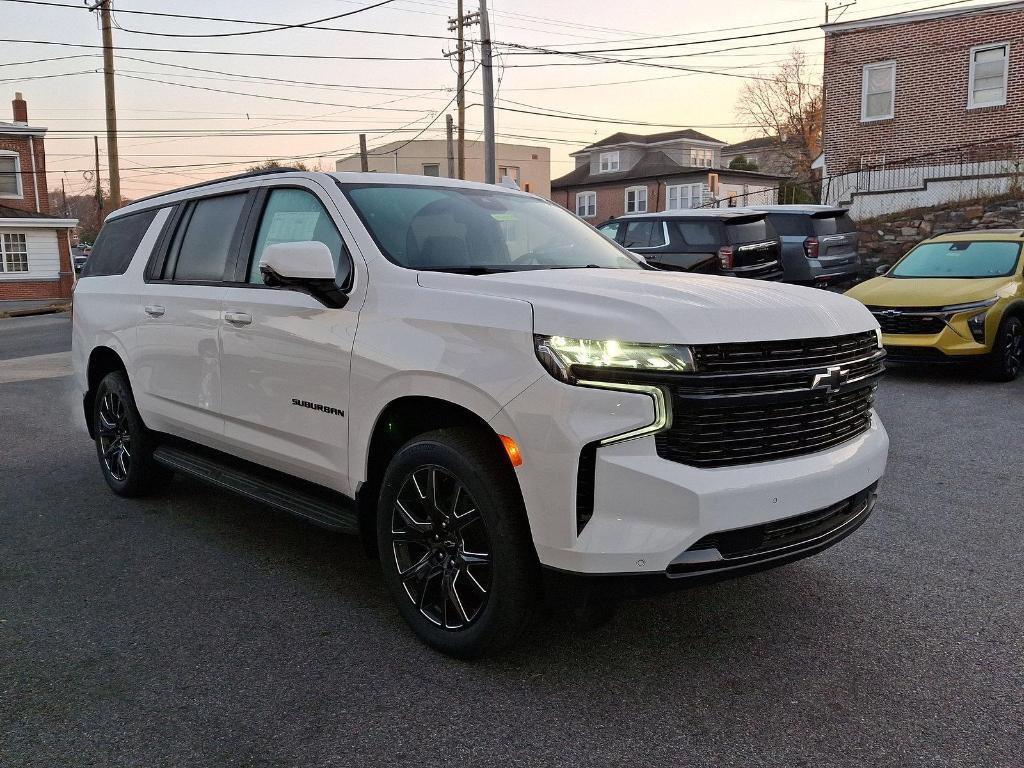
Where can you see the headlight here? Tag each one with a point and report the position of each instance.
(561, 355)
(956, 309)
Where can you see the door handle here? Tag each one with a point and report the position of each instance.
(238, 318)
(154, 310)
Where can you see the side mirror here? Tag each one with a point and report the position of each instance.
(306, 266)
(882, 269)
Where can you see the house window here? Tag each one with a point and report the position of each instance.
(680, 196)
(989, 70)
(10, 174)
(13, 253)
(878, 94)
(608, 162)
(636, 200)
(704, 158)
(586, 204)
(511, 171)
(431, 169)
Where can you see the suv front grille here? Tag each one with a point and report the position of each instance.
(752, 402)
(900, 321)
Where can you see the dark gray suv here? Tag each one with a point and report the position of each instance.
(819, 243)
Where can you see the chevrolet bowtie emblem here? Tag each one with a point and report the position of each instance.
(890, 313)
(832, 379)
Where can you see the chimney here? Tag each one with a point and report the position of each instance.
(20, 108)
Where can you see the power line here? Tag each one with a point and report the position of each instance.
(317, 56)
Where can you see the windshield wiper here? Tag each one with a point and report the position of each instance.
(467, 270)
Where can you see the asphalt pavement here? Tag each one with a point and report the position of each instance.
(198, 629)
(38, 335)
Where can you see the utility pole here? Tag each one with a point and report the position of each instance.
(458, 25)
(99, 189)
(490, 152)
(364, 161)
(64, 199)
(113, 169)
(451, 149)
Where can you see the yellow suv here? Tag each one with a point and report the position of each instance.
(954, 297)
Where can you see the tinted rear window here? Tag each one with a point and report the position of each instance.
(117, 243)
(644, 234)
(791, 224)
(203, 241)
(700, 232)
(749, 232)
(833, 225)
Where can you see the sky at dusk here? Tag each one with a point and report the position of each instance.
(178, 125)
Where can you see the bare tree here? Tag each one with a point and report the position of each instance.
(270, 165)
(786, 106)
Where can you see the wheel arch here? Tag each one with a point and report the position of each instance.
(398, 422)
(102, 360)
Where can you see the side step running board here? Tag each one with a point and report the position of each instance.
(336, 514)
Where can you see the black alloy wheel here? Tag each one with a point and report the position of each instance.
(454, 542)
(114, 436)
(1007, 356)
(123, 444)
(441, 548)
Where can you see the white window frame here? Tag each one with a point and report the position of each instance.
(637, 190)
(702, 157)
(20, 193)
(4, 253)
(589, 199)
(608, 162)
(864, 92)
(1006, 76)
(693, 192)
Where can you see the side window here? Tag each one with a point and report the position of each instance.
(699, 233)
(610, 230)
(294, 215)
(644, 234)
(202, 244)
(117, 243)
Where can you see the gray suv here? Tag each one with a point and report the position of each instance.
(819, 243)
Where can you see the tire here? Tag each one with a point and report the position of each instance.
(454, 544)
(123, 444)
(1007, 355)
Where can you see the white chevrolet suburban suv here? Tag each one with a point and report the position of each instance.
(502, 402)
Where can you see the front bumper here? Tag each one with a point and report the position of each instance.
(648, 510)
(763, 547)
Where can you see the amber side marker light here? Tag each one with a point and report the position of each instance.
(512, 449)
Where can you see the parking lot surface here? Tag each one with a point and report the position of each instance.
(200, 629)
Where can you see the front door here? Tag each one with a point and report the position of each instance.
(285, 357)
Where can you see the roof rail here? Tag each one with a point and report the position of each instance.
(201, 184)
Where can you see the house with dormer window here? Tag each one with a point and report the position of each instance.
(639, 173)
(35, 244)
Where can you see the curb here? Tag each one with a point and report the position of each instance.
(50, 310)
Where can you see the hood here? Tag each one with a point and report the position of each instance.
(663, 307)
(928, 292)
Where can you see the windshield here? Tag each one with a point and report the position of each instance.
(478, 231)
(962, 259)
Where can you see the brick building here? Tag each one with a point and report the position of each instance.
(35, 245)
(635, 173)
(923, 108)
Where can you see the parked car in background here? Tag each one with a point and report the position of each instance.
(725, 241)
(495, 397)
(819, 243)
(955, 297)
(78, 258)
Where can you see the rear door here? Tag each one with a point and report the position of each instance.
(837, 236)
(286, 356)
(755, 247)
(178, 355)
(694, 245)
